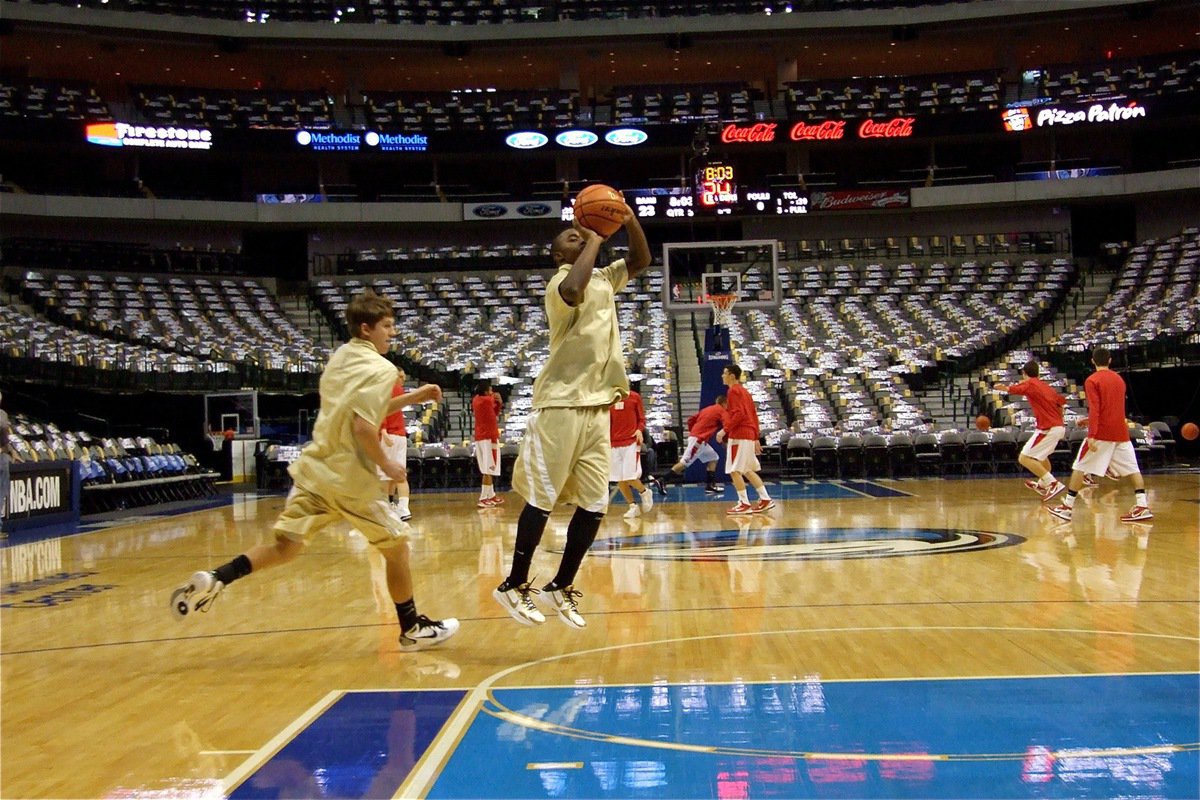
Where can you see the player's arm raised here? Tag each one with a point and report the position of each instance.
(575, 283)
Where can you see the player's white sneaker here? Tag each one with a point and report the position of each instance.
(647, 501)
(1062, 511)
(1053, 490)
(518, 602)
(762, 505)
(428, 633)
(740, 508)
(197, 594)
(1137, 514)
(566, 603)
(634, 511)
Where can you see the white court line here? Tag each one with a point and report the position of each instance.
(264, 753)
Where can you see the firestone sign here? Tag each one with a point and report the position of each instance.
(829, 130)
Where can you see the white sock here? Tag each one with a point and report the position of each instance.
(402, 504)
(1139, 498)
(488, 492)
(762, 494)
(1068, 500)
(743, 498)
(1046, 480)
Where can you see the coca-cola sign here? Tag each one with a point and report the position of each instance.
(898, 128)
(858, 198)
(824, 131)
(756, 133)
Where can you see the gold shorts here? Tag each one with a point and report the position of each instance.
(306, 513)
(564, 459)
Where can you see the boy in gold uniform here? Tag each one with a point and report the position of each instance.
(335, 477)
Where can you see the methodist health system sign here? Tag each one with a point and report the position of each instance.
(1024, 118)
(354, 141)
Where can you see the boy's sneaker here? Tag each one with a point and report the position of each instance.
(634, 511)
(497, 499)
(1053, 490)
(657, 485)
(1062, 511)
(484, 502)
(712, 488)
(1030, 483)
(1089, 482)
(762, 505)
(647, 501)
(1137, 514)
(740, 508)
(197, 594)
(428, 633)
(518, 602)
(566, 603)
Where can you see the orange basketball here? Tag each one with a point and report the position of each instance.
(600, 208)
(1189, 431)
(983, 423)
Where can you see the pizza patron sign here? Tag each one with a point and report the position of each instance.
(1024, 118)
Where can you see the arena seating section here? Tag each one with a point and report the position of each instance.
(116, 472)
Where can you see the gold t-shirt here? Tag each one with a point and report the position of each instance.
(586, 365)
(357, 381)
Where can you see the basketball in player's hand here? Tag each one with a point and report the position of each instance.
(601, 209)
(983, 422)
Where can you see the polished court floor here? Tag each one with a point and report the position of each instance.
(919, 638)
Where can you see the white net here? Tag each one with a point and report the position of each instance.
(722, 308)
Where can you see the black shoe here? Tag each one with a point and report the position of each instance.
(658, 485)
(712, 488)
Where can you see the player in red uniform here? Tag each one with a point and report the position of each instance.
(1047, 407)
(1107, 449)
(701, 427)
(741, 429)
(487, 406)
(626, 419)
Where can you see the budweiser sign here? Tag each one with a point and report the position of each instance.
(849, 198)
(821, 131)
(897, 128)
(758, 132)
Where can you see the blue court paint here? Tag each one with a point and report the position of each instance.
(788, 490)
(364, 745)
(1126, 736)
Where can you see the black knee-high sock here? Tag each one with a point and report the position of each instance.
(581, 532)
(530, 526)
(238, 568)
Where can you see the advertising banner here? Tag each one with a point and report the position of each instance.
(530, 209)
(42, 493)
(843, 200)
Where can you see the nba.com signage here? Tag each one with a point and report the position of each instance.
(41, 493)
(1024, 118)
(828, 130)
(535, 209)
(120, 134)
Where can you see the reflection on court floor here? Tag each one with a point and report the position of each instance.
(1096, 736)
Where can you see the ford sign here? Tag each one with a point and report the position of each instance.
(526, 140)
(577, 138)
(490, 211)
(626, 137)
(533, 210)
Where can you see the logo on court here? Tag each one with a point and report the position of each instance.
(802, 544)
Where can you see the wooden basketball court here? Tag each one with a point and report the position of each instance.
(877, 638)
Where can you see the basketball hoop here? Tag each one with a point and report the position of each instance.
(722, 308)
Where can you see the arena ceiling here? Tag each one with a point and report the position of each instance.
(118, 59)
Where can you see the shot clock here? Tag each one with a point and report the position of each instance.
(716, 188)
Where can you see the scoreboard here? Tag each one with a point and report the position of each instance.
(680, 202)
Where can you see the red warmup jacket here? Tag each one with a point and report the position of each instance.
(487, 417)
(704, 423)
(625, 419)
(741, 417)
(394, 424)
(1106, 406)
(1047, 404)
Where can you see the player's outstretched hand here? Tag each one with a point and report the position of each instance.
(587, 233)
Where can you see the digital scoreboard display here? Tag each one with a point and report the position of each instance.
(716, 188)
(665, 204)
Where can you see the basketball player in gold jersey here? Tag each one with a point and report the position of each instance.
(564, 456)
